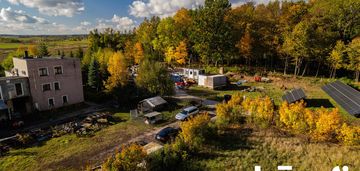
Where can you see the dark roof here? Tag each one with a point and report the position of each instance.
(294, 95)
(155, 101)
(11, 78)
(346, 96)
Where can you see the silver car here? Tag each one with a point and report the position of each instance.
(186, 113)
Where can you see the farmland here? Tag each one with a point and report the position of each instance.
(55, 43)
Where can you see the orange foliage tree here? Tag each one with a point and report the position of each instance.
(129, 158)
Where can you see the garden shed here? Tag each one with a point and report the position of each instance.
(151, 104)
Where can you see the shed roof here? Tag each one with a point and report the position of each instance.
(155, 101)
(152, 114)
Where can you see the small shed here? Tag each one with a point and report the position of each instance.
(193, 73)
(153, 117)
(212, 81)
(151, 104)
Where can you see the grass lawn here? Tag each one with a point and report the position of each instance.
(70, 152)
(316, 97)
(242, 148)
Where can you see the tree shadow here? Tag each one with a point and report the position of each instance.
(319, 103)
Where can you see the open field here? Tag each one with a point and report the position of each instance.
(244, 147)
(316, 97)
(54, 44)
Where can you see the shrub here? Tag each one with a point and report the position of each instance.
(292, 116)
(129, 158)
(195, 131)
(327, 124)
(169, 158)
(261, 110)
(349, 135)
(223, 114)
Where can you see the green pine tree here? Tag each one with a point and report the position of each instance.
(43, 50)
(93, 74)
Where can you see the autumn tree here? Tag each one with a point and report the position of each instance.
(33, 50)
(297, 45)
(195, 131)
(336, 58)
(118, 72)
(245, 44)
(349, 134)
(261, 110)
(129, 158)
(327, 124)
(354, 57)
(138, 53)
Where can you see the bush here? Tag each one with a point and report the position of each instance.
(292, 116)
(327, 124)
(169, 158)
(129, 158)
(349, 135)
(261, 110)
(195, 131)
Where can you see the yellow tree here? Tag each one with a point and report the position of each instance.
(130, 158)
(138, 53)
(33, 51)
(327, 124)
(181, 53)
(336, 57)
(118, 71)
(195, 130)
(170, 55)
(245, 46)
(354, 57)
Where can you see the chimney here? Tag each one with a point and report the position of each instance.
(26, 54)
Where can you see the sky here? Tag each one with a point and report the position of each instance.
(55, 17)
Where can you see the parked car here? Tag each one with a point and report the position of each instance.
(166, 134)
(186, 113)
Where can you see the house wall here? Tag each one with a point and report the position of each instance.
(70, 81)
(7, 87)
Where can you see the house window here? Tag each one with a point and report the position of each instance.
(43, 72)
(65, 99)
(19, 89)
(58, 70)
(56, 85)
(51, 102)
(46, 87)
(23, 72)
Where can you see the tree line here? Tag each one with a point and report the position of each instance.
(307, 38)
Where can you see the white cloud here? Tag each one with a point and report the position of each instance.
(123, 23)
(162, 8)
(17, 16)
(54, 7)
(85, 23)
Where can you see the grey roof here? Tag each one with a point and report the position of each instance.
(346, 96)
(11, 78)
(155, 101)
(152, 114)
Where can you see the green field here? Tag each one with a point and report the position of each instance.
(54, 44)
